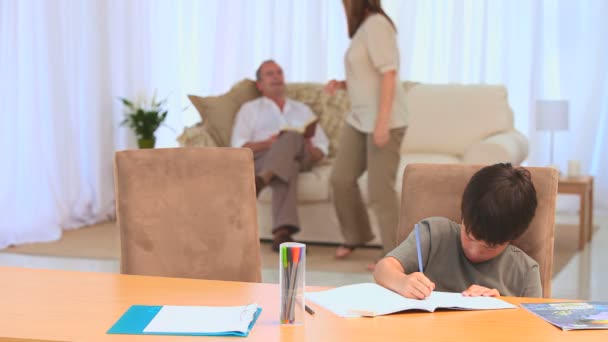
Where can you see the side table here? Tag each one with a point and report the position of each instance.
(582, 186)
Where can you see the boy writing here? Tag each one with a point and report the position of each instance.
(475, 257)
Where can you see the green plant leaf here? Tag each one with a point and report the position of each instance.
(127, 103)
(144, 117)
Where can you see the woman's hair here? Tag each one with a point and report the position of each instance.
(499, 203)
(356, 11)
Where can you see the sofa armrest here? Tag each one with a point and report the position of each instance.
(196, 136)
(506, 147)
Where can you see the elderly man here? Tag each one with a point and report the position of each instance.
(279, 154)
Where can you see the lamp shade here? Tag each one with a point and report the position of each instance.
(551, 115)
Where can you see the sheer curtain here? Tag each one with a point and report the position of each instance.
(551, 49)
(58, 128)
(63, 64)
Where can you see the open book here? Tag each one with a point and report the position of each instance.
(308, 129)
(370, 299)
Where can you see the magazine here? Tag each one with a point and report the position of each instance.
(572, 315)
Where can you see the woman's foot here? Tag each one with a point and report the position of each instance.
(343, 251)
(281, 235)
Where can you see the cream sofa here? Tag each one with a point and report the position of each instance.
(471, 124)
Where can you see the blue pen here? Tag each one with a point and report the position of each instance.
(418, 248)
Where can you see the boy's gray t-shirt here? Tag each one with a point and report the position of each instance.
(512, 273)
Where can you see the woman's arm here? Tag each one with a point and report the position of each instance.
(334, 85)
(387, 94)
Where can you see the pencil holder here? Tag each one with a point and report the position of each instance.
(292, 270)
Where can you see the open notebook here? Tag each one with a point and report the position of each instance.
(187, 320)
(370, 299)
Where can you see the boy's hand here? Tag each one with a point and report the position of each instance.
(416, 286)
(476, 291)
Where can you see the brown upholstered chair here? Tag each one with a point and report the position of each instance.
(188, 213)
(436, 190)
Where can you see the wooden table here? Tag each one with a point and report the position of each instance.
(582, 186)
(79, 306)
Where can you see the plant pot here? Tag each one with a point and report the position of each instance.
(146, 143)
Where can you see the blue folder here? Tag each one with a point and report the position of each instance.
(135, 320)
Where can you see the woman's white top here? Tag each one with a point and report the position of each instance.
(373, 51)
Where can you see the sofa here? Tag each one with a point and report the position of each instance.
(449, 124)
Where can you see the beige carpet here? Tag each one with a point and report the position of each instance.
(102, 242)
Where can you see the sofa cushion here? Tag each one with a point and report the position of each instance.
(218, 112)
(459, 107)
(415, 158)
(313, 186)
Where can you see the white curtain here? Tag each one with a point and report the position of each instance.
(551, 49)
(63, 64)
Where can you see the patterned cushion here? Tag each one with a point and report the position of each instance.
(330, 109)
(196, 136)
(217, 112)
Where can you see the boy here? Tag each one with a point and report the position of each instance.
(475, 257)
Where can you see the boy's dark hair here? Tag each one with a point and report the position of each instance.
(498, 203)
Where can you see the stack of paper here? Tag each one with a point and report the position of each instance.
(187, 320)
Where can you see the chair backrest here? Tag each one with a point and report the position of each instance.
(436, 190)
(188, 213)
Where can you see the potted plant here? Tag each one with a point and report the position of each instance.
(144, 118)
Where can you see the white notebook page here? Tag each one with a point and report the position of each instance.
(202, 319)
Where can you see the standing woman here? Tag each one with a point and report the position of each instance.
(372, 135)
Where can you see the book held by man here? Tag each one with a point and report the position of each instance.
(307, 129)
(368, 300)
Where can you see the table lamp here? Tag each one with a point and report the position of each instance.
(551, 115)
